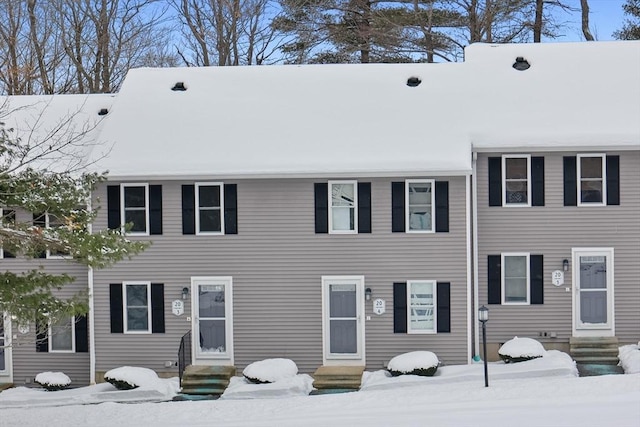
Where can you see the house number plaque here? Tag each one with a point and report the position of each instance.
(379, 306)
(557, 278)
(177, 307)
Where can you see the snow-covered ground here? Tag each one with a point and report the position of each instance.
(540, 392)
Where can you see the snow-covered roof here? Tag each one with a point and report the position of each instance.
(574, 95)
(65, 126)
(313, 120)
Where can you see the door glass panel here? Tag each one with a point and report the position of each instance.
(342, 300)
(212, 320)
(593, 272)
(211, 301)
(344, 336)
(593, 306)
(343, 323)
(593, 289)
(212, 336)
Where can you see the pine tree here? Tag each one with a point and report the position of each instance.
(631, 28)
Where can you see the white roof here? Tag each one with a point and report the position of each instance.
(70, 124)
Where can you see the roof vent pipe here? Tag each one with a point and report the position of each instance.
(103, 112)
(413, 81)
(521, 64)
(179, 86)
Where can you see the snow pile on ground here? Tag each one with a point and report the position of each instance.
(241, 388)
(554, 363)
(270, 370)
(519, 349)
(53, 380)
(629, 356)
(414, 362)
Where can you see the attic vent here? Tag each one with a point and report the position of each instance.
(413, 81)
(103, 112)
(521, 64)
(179, 86)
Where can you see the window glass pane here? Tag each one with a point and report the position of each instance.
(516, 168)
(136, 295)
(342, 194)
(421, 301)
(591, 167)
(343, 218)
(61, 335)
(421, 294)
(134, 197)
(137, 319)
(515, 290)
(210, 220)
(343, 336)
(138, 218)
(591, 191)
(420, 193)
(516, 191)
(211, 300)
(515, 266)
(212, 336)
(342, 300)
(209, 196)
(419, 219)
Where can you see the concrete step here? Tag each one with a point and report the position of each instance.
(597, 360)
(338, 377)
(337, 384)
(206, 380)
(594, 351)
(209, 371)
(591, 369)
(593, 342)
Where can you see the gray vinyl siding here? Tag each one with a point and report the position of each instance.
(553, 230)
(276, 261)
(27, 363)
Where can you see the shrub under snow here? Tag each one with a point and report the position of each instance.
(520, 350)
(127, 377)
(423, 363)
(270, 370)
(629, 356)
(53, 381)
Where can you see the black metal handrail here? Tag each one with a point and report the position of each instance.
(184, 354)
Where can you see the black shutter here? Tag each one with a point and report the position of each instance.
(444, 306)
(188, 209)
(570, 181)
(155, 209)
(321, 197)
(82, 338)
(537, 181)
(9, 217)
(536, 286)
(157, 308)
(230, 209)
(613, 180)
(397, 207)
(42, 338)
(115, 308)
(113, 207)
(400, 308)
(495, 181)
(39, 220)
(494, 276)
(442, 206)
(364, 207)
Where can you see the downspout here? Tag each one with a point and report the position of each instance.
(474, 210)
(92, 329)
(469, 280)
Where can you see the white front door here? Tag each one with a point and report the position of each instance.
(212, 322)
(593, 292)
(342, 322)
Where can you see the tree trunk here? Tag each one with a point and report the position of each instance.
(585, 20)
(537, 25)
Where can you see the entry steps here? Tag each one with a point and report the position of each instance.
(337, 379)
(205, 381)
(594, 350)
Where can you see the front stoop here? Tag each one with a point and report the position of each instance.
(337, 379)
(594, 350)
(205, 381)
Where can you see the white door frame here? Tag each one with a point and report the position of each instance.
(199, 358)
(6, 375)
(593, 330)
(357, 359)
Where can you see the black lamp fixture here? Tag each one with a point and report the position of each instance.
(565, 265)
(185, 292)
(521, 64)
(367, 294)
(483, 317)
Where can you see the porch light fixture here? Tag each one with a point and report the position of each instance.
(521, 64)
(565, 265)
(185, 292)
(483, 317)
(367, 294)
(179, 86)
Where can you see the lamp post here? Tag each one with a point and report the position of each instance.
(483, 316)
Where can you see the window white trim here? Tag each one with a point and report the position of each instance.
(72, 326)
(579, 179)
(1, 246)
(407, 206)
(505, 157)
(220, 185)
(146, 208)
(434, 303)
(47, 222)
(125, 306)
(503, 266)
(355, 207)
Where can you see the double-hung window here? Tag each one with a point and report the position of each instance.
(591, 179)
(516, 180)
(137, 307)
(54, 222)
(8, 218)
(343, 207)
(421, 301)
(210, 209)
(515, 278)
(135, 207)
(62, 335)
(420, 198)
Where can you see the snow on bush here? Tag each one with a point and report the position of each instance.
(520, 350)
(127, 377)
(629, 356)
(270, 370)
(53, 381)
(423, 363)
